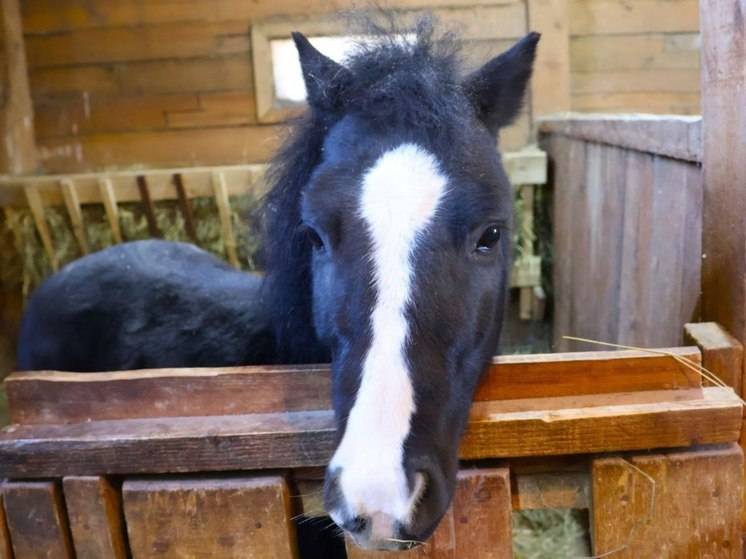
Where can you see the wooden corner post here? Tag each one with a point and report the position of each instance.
(724, 164)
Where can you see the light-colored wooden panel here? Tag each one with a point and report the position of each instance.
(119, 44)
(36, 518)
(550, 83)
(223, 73)
(205, 146)
(297, 439)
(675, 80)
(669, 506)
(215, 109)
(603, 53)
(603, 17)
(516, 380)
(660, 102)
(477, 526)
(94, 512)
(241, 517)
(84, 113)
(43, 16)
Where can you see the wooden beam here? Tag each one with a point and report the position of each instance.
(224, 211)
(96, 522)
(550, 83)
(682, 504)
(109, 200)
(6, 551)
(298, 439)
(232, 517)
(677, 137)
(18, 153)
(40, 220)
(52, 397)
(185, 206)
(147, 202)
(36, 520)
(72, 203)
(722, 354)
(724, 126)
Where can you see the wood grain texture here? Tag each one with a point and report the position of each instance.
(723, 102)
(52, 397)
(562, 490)
(477, 526)
(236, 517)
(603, 17)
(625, 217)
(679, 505)
(678, 137)
(550, 82)
(722, 354)
(18, 153)
(37, 521)
(6, 550)
(94, 511)
(297, 439)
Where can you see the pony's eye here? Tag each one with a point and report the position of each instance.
(490, 237)
(314, 238)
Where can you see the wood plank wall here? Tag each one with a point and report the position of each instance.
(635, 56)
(161, 83)
(627, 224)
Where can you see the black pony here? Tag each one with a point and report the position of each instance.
(387, 249)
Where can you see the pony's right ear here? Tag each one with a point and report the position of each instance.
(496, 90)
(325, 79)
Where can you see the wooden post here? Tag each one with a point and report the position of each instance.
(185, 206)
(37, 211)
(109, 199)
(72, 203)
(724, 133)
(18, 153)
(36, 520)
(6, 552)
(147, 202)
(224, 211)
(94, 511)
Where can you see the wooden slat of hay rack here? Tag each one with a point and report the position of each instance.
(79, 428)
(526, 169)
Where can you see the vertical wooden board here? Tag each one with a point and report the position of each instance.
(246, 517)
(94, 513)
(724, 165)
(477, 526)
(6, 552)
(36, 520)
(75, 214)
(567, 158)
(722, 354)
(636, 256)
(669, 506)
(550, 83)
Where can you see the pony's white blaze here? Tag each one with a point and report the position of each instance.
(400, 195)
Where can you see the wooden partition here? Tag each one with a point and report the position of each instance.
(221, 462)
(627, 226)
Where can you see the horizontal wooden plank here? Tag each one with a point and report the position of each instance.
(87, 113)
(119, 44)
(598, 53)
(202, 146)
(661, 102)
(56, 397)
(679, 80)
(222, 73)
(44, 16)
(604, 17)
(298, 439)
(216, 109)
(670, 136)
(523, 167)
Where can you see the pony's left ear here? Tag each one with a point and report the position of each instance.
(325, 79)
(497, 89)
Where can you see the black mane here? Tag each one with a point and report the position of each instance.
(397, 82)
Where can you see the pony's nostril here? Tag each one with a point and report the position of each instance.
(356, 524)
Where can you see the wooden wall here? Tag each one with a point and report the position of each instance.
(635, 56)
(122, 83)
(627, 225)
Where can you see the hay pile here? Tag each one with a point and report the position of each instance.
(550, 534)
